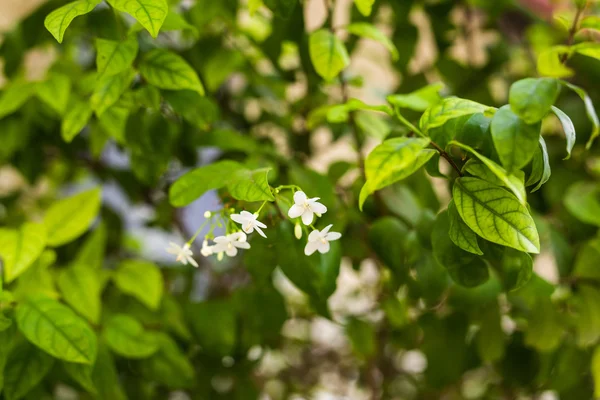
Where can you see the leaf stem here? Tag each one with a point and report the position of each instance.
(446, 157)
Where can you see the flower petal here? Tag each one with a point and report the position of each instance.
(241, 245)
(237, 218)
(237, 237)
(326, 229)
(220, 239)
(318, 208)
(219, 247)
(248, 227)
(259, 224)
(260, 232)
(323, 247)
(307, 217)
(247, 215)
(333, 236)
(231, 251)
(314, 235)
(310, 248)
(299, 197)
(192, 261)
(296, 211)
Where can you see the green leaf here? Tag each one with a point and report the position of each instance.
(549, 62)
(19, 248)
(7, 339)
(282, 8)
(545, 328)
(69, 218)
(198, 181)
(14, 96)
(219, 337)
(167, 70)
(169, 365)
(387, 238)
(114, 122)
(81, 289)
(38, 278)
(82, 374)
(585, 306)
(176, 22)
(589, 109)
(364, 6)
(328, 54)
(113, 57)
(540, 167)
(583, 202)
(56, 329)
(514, 140)
(532, 98)
(249, 185)
(419, 100)
(27, 366)
(59, 20)
(569, 129)
(447, 109)
(362, 337)
(55, 92)
(368, 31)
(75, 119)
(199, 111)
(142, 280)
(126, 337)
(460, 233)
(495, 214)
(109, 89)
(490, 338)
(106, 378)
(517, 269)
(587, 49)
(91, 253)
(150, 13)
(393, 160)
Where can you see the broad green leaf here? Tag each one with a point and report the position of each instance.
(59, 20)
(219, 337)
(113, 57)
(249, 185)
(419, 100)
(91, 252)
(588, 49)
(512, 182)
(195, 183)
(549, 62)
(27, 366)
(167, 70)
(114, 122)
(540, 167)
(82, 374)
(176, 22)
(517, 269)
(393, 160)
(589, 109)
(75, 119)
(369, 31)
(169, 365)
(544, 327)
(142, 280)
(490, 338)
(590, 22)
(475, 132)
(585, 306)
(568, 127)
(364, 6)
(460, 233)
(38, 279)
(69, 218)
(495, 214)
(109, 89)
(55, 92)
(328, 54)
(583, 201)
(447, 109)
(105, 376)
(81, 288)
(56, 329)
(126, 337)
(515, 140)
(14, 96)
(150, 13)
(387, 237)
(19, 248)
(532, 98)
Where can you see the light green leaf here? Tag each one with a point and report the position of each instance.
(19, 248)
(419, 100)
(109, 89)
(176, 22)
(532, 98)
(56, 329)
(91, 253)
(14, 96)
(517, 269)
(512, 182)
(75, 119)
(150, 13)
(80, 288)
(328, 54)
(55, 92)
(391, 161)
(27, 366)
(38, 279)
(588, 49)
(126, 337)
(540, 167)
(549, 62)
(568, 127)
(369, 31)
(583, 201)
(447, 109)
(142, 280)
(364, 6)
(495, 214)
(113, 57)
(460, 233)
(69, 218)
(589, 109)
(249, 185)
(590, 22)
(82, 374)
(198, 181)
(167, 70)
(514, 140)
(114, 121)
(59, 20)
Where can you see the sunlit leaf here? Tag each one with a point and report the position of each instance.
(141, 279)
(364, 6)
(447, 109)
(419, 100)
(460, 233)
(59, 20)
(127, 337)
(328, 54)
(19, 248)
(532, 98)
(150, 13)
(249, 185)
(167, 70)
(113, 57)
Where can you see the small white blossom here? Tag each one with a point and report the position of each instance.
(298, 231)
(184, 254)
(206, 250)
(306, 208)
(319, 240)
(249, 222)
(231, 243)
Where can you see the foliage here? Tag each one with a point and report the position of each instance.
(451, 246)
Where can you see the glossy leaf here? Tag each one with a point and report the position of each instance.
(167, 70)
(81, 290)
(114, 57)
(328, 54)
(419, 100)
(460, 233)
(19, 248)
(549, 62)
(249, 185)
(368, 31)
(127, 337)
(568, 127)
(532, 98)
(540, 167)
(447, 109)
(142, 280)
(59, 20)
(495, 214)
(27, 366)
(364, 6)
(589, 109)
(150, 13)
(583, 201)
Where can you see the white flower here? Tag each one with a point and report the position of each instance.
(231, 243)
(249, 222)
(298, 231)
(206, 250)
(306, 208)
(184, 254)
(319, 240)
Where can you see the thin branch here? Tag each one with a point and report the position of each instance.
(572, 32)
(446, 157)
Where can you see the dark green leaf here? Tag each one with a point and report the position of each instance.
(532, 98)
(26, 368)
(250, 186)
(127, 337)
(447, 109)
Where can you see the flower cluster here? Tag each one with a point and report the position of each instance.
(304, 208)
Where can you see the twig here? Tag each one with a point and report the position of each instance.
(572, 32)
(447, 157)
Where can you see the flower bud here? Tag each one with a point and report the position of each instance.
(220, 256)
(207, 214)
(298, 231)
